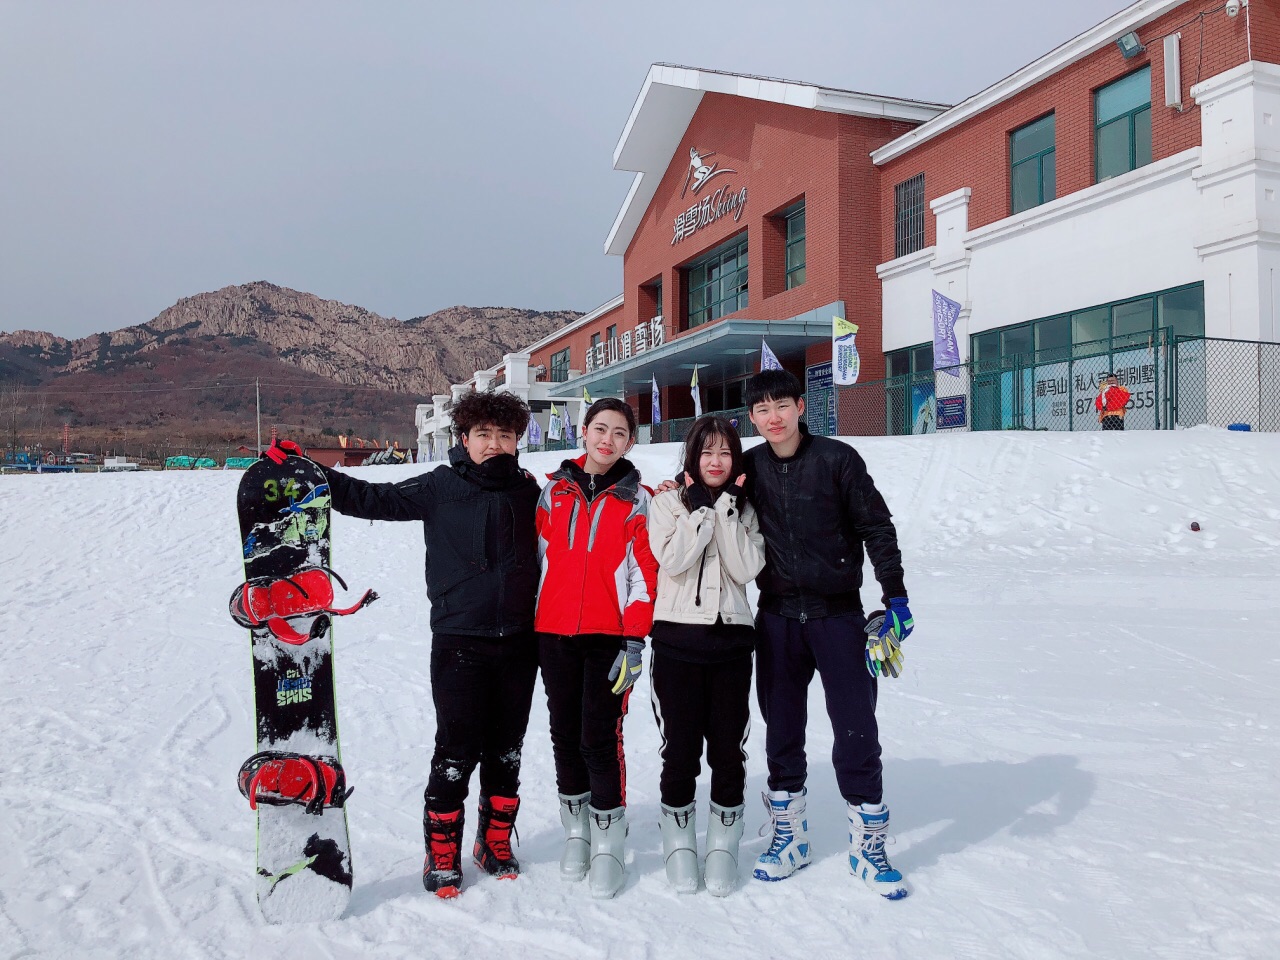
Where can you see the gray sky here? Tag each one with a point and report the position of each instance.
(403, 156)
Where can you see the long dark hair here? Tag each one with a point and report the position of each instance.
(704, 430)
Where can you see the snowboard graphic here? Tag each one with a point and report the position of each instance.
(295, 781)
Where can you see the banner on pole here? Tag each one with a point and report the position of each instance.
(946, 351)
(697, 394)
(845, 362)
(768, 361)
(555, 427)
(655, 404)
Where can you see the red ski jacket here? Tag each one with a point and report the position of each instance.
(1111, 402)
(598, 573)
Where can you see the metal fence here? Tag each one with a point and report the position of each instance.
(1174, 382)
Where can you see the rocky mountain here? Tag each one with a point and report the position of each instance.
(326, 367)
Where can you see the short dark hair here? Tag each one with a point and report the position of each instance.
(772, 385)
(616, 405)
(504, 410)
(704, 430)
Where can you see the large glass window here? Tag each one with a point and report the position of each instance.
(1122, 121)
(1053, 339)
(1132, 323)
(1088, 327)
(560, 366)
(717, 282)
(908, 216)
(795, 245)
(1032, 158)
(1183, 310)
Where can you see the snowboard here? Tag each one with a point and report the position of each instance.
(295, 781)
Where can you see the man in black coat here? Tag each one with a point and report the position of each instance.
(818, 510)
(482, 578)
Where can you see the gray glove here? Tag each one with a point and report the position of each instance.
(627, 668)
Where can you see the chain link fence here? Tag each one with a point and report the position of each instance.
(1173, 383)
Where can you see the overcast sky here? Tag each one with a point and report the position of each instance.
(403, 156)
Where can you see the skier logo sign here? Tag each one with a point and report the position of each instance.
(845, 362)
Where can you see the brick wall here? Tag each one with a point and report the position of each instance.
(975, 154)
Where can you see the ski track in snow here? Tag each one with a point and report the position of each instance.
(1079, 758)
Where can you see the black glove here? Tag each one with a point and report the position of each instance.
(699, 496)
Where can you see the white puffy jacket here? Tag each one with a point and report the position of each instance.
(705, 559)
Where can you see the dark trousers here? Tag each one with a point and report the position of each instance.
(585, 716)
(787, 654)
(482, 696)
(696, 703)
(1113, 423)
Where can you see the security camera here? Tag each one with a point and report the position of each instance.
(1233, 7)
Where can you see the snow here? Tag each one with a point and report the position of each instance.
(1080, 755)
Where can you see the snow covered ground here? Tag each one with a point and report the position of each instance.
(1081, 756)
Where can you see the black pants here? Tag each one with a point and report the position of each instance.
(787, 653)
(697, 702)
(1113, 423)
(482, 695)
(585, 716)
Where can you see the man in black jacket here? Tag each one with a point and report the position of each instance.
(818, 507)
(482, 578)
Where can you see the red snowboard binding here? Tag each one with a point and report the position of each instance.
(278, 778)
(274, 603)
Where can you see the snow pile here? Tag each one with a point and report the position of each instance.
(1080, 756)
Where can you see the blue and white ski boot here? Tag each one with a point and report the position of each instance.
(868, 827)
(789, 850)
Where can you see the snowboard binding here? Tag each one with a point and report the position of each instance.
(279, 778)
(273, 604)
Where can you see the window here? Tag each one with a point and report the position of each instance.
(1088, 327)
(657, 297)
(1016, 341)
(1122, 120)
(1053, 339)
(1183, 310)
(1133, 323)
(595, 338)
(1032, 172)
(795, 245)
(717, 282)
(909, 360)
(611, 333)
(560, 366)
(908, 216)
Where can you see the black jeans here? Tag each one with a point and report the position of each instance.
(787, 653)
(1113, 423)
(697, 702)
(585, 716)
(482, 694)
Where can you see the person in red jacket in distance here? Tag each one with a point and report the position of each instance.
(1111, 403)
(595, 606)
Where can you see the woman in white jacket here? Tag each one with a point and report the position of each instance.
(708, 545)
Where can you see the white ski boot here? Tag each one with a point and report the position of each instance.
(724, 831)
(868, 828)
(680, 847)
(608, 843)
(576, 858)
(789, 850)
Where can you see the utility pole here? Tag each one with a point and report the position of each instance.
(257, 397)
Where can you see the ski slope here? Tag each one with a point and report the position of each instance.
(1080, 757)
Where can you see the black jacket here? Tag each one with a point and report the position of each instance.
(478, 524)
(817, 509)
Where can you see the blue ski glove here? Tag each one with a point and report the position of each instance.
(626, 669)
(898, 619)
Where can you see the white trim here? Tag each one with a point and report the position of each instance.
(582, 321)
(1250, 73)
(905, 264)
(956, 198)
(1111, 29)
(1135, 181)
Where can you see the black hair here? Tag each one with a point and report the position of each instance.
(503, 410)
(772, 385)
(616, 405)
(704, 430)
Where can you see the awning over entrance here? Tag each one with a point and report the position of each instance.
(722, 351)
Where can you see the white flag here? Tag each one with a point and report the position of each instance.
(697, 394)
(767, 359)
(582, 420)
(655, 403)
(554, 427)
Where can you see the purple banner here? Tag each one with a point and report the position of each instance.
(946, 351)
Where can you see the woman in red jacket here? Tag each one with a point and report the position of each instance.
(1111, 403)
(595, 606)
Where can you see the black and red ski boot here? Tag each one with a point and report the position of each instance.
(493, 837)
(442, 871)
